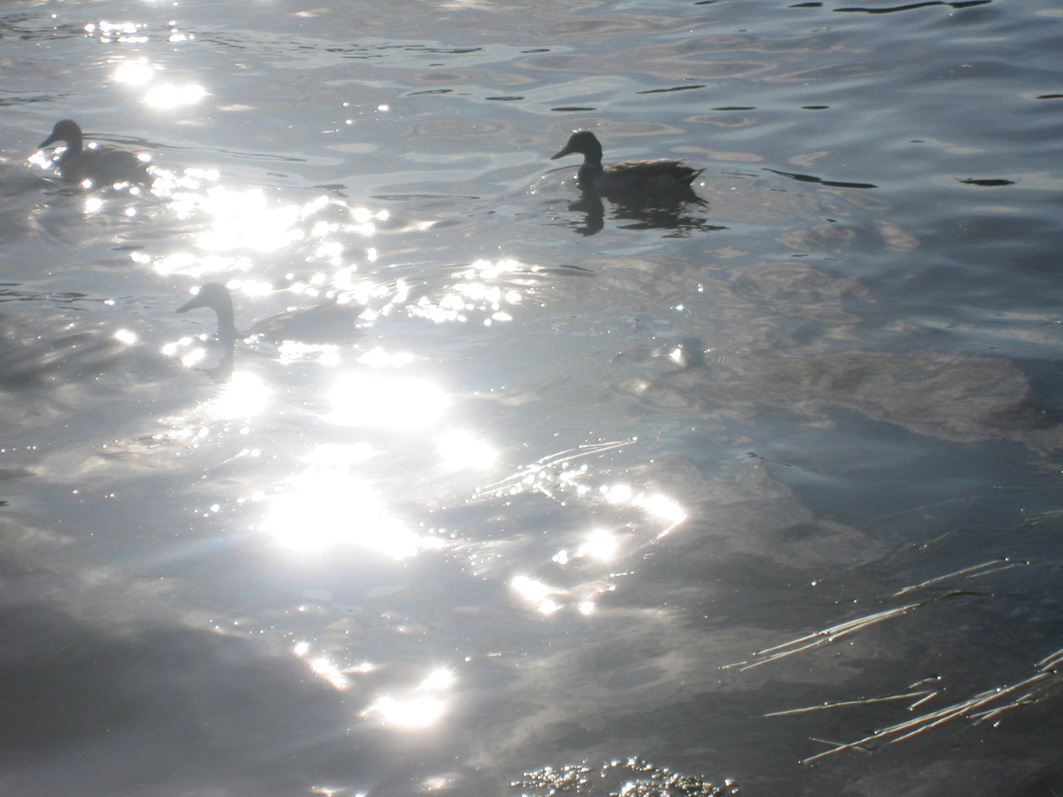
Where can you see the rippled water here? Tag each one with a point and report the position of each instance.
(520, 491)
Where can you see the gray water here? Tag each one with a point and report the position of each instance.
(535, 492)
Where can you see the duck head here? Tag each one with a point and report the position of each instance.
(217, 297)
(585, 143)
(67, 131)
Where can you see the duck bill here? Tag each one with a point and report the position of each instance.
(191, 304)
(563, 153)
(47, 142)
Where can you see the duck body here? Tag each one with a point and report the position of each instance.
(652, 176)
(322, 323)
(100, 164)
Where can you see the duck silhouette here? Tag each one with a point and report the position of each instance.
(101, 164)
(322, 323)
(646, 176)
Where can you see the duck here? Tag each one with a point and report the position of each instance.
(323, 323)
(99, 163)
(628, 176)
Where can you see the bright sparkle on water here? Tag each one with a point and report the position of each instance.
(171, 96)
(386, 402)
(414, 709)
(136, 72)
(438, 680)
(475, 291)
(655, 504)
(126, 336)
(245, 395)
(420, 711)
(600, 545)
(462, 450)
(537, 593)
(236, 224)
(327, 505)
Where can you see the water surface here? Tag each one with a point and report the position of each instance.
(528, 491)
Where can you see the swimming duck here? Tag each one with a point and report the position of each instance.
(632, 176)
(323, 323)
(101, 164)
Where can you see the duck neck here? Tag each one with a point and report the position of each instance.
(593, 158)
(591, 168)
(74, 144)
(226, 323)
(589, 171)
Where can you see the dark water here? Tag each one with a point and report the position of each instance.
(531, 492)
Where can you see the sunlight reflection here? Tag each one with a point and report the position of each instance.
(245, 395)
(383, 402)
(601, 545)
(235, 222)
(171, 96)
(378, 358)
(663, 507)
(134, 72)
(473, 293)
(536, 593)
(438, 680)
(420, 711)
(329, 671)
(326, 669)
(250, 287)
(460, 450)
(242, 219)
(124, 32)
(656, 504)
(559, 474)
(42, 159)
(326, 506)
(126, 336)
(185, 350)
(334, 455)
(617, 493)
(415, 710)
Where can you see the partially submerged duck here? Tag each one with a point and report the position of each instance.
(322, 323)
(102, 164)
(628, 176)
